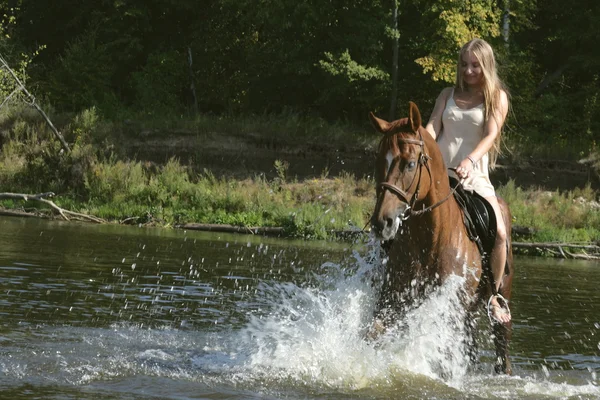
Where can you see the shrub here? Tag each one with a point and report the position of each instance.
(160, 84)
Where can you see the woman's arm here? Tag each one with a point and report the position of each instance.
(434, 126)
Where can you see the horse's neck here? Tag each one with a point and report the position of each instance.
(434, 229)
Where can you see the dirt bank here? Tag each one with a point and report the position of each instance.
(249, 155)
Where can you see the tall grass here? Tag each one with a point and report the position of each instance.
(555, 217)
(93, 179)
(172, 195)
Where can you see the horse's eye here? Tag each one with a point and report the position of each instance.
(411, 165)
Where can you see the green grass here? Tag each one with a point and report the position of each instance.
(569, 217)
(93, 179)
(119, 190)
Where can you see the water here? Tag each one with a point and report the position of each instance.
(133, 313)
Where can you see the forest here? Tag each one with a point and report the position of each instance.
(112, 74)
(333, 59)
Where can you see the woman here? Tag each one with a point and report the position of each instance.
(467, 122)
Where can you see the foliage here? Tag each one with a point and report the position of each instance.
(554, 216)
(351, 81)
(161, 82)
(294, 71)
(331, 60)
(451, 24)
(81, 77)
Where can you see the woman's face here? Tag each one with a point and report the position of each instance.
(470, 67)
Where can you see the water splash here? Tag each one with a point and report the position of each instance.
(432, 339)
(316, 333)
(302, 339)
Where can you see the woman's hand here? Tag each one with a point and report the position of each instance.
(465, 169)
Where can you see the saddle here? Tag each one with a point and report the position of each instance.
(479, 218)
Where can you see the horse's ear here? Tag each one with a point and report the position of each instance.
(379, 124)
(414, 116)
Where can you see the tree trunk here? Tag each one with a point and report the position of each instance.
(506, 24)
(192, 85)
(394, 97)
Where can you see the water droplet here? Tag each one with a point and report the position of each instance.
(545, 370)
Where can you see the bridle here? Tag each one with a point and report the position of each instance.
(411, 199)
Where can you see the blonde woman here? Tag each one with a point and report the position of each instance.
(467, 122)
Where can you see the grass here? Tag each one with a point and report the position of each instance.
(95, 179)
(569, 217)
(119, 190)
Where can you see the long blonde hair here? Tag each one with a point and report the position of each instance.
(492, 86)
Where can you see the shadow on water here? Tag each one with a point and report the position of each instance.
(121, 312)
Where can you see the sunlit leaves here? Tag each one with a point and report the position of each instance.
(344, 65)
(452, 24)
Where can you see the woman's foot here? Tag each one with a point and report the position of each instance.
(498, 310)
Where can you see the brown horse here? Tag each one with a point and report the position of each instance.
(422, 227)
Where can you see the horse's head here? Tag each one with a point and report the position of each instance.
(402, 173)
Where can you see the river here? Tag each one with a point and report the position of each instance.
(105, 312)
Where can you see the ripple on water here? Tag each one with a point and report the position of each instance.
(277, 327)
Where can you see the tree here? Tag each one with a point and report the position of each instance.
(395, 33)
(450, 25)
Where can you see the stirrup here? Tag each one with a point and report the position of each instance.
(489, 305)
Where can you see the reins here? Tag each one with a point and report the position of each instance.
(439, 203)
(411, 200)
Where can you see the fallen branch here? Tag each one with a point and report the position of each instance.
(17, 213)
(560, 249)
(558, 246)
(42, 198)
(265, 230)
(582, 256)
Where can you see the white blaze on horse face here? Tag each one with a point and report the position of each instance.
(390, 231)
(389, 157)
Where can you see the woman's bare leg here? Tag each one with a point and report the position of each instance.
(498, 261)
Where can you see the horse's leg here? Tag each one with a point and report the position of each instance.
(379, 323)
(502, 336)
(381, 314)
(470, 298)
(470, 336)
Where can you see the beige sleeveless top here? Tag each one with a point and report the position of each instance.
(462, 130)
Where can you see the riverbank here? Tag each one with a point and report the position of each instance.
(547, 222)
(586, 251)
(297, 183)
